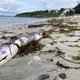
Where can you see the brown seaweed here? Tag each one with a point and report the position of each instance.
(31, 47)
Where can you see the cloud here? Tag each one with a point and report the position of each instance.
(4, 10)
(10, 0)
(57, 4)
(11, 5)
(17, 6)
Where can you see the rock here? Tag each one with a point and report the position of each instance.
(62, 75)
(44, 77)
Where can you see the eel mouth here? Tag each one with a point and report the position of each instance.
(3, 58)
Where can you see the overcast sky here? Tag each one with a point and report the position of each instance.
(17, 6)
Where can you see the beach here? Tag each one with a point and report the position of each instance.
(58, 57)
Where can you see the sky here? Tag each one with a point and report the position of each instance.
(18, 6)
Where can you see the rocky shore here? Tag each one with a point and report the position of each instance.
(55, 57)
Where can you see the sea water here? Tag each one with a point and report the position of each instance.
(9, 21)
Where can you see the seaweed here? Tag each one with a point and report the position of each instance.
(46, 34)
(56, 21)
(66, 67)
(63, 66)
(60, 53)
(36, 25)
(31, 47)
(76, 57)
(71, 22)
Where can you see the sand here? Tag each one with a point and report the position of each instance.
(62, 44)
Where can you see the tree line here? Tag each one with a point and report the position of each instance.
(47, 13)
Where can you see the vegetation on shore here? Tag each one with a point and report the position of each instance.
(47, 13)
(77, 9)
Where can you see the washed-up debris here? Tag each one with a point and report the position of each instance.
(46, 34)
(49, 60)
(62, 76)
(76, 57)
(4, 37)
(9, 50)
(44, 77)
(30, 48)
(56, 22)
(36, 25)
(71, 22)
(63, 66)
(60, 53)
(6, 32)
(68, 61)
(69, 66)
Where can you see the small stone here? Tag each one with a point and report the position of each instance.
(62, 76)
(44, 77)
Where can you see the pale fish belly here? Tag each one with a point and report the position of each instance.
(7, 52)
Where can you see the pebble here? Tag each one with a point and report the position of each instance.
(44, 77)
(62, 75)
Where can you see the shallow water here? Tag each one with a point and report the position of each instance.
(9, 21)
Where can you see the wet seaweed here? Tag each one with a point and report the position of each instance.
(60, 53)
(62, 66)
(31, 47)
(4, 37)
(70, 45)
(36, 25)
(74, 46)
(59, 23)
(49, 51)
(46, 34)
(52, 43)
(71, 22)
(55, 22)
(76, 57)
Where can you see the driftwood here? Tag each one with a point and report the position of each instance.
(9, 50)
